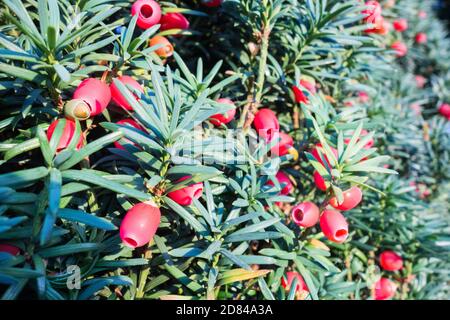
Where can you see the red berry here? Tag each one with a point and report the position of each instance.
(305, 214)
(421, 38)
(118, 98)
(369, 143)
(66, 136)
(219, 119)
(166, 50)
(148, 11)
(12, 250)
(266, 124)
(381, 26)
(352, 197)
(319, 181)
(316, 155)
(422, 14)
(308, 86)
(140, 224)
(385, 289)
(286, 282)
(372, 11)
(300, 97)
(282, 147)
(285, 183)
(400, 25)
(174, 20)
(400, 48)
(420, 81)
(129, 122)
(444, 109)
(95, 93)
(185, 196)
(334, 226)
(390, 261)
(363, 96)
(212, 3)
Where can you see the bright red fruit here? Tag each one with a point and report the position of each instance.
(316, 155)
(140, 224)
(284, 182)
(385, 289)
(400, 48)
(282, 147)
(372, 11)
(319, 181)
(305, 214)
(421, 38)
(166, 50)
(66, 136)
(363, 96)
(334, 226)
(148, 11)
(12, 250)
(185, 196)
(129, 122)
(300, 97)
(352, 197)
(286, 281)
(266, 124)
(118, 98)
(381, 27)
(444, 109)
(225, 118)
(390, 261)
(95, 93)
(308, 86)
(420, 81)
(174, 20)
(422, 14)
(212, 3)
(400, 25)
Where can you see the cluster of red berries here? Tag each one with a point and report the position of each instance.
(332, 223)
(91, 98)
(142, 220)
(268, 128)
(385, 288)
(373, 15)
(149, 14)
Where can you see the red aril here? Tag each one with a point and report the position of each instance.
(352, 197)
(391, 261)
(305, 214)
(334, 226)
(140, 224)
(118, 98)
(219, 119)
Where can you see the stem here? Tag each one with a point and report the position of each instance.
(262, 63)
(144, 273)
(296, 117)
(348, 266)
(255, 98)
